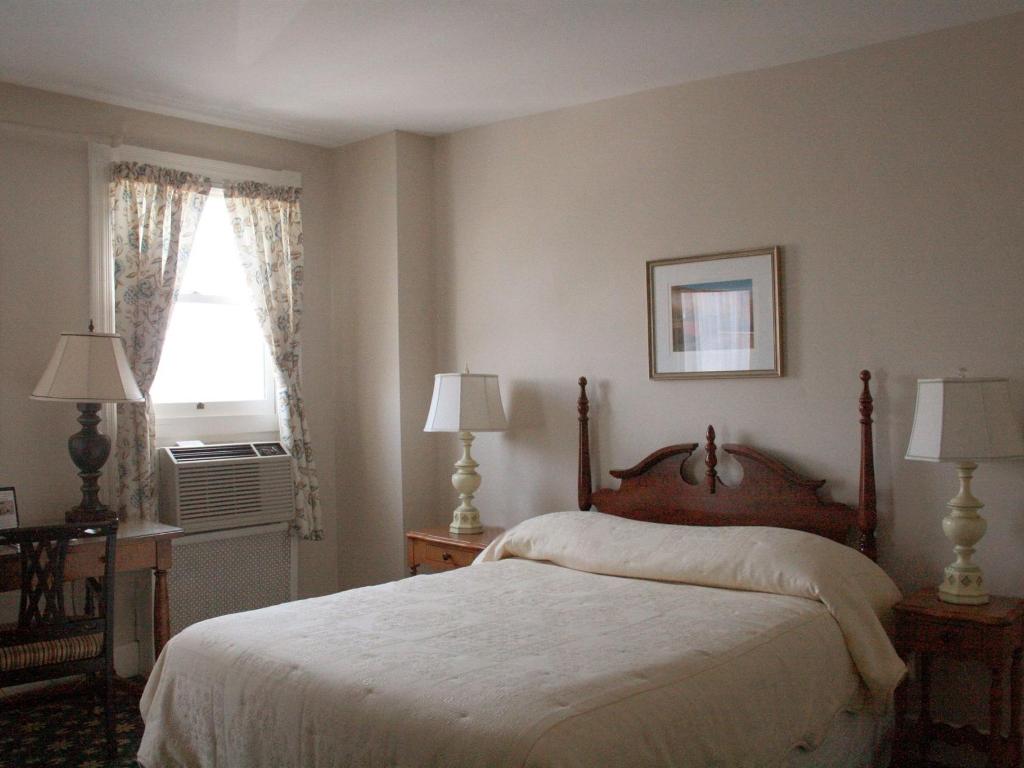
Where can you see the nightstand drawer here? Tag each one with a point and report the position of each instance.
(948, 638)
(441, 556)
(441, 550)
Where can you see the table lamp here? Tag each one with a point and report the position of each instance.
(89, 369)
(466, 403)
(964, 421)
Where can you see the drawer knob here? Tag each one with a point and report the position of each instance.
(446, 556)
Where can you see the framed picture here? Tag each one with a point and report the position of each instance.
(715, 316)
(8, 508)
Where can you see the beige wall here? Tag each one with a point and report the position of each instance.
(44, 285)
(891, 177)
(385, 322)
(366, 340)
(417, 311)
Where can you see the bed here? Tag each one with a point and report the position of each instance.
(688, 624)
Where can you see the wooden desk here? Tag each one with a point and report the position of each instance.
(141, 546)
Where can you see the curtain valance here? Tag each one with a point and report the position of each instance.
(167, 177)
(256, 191)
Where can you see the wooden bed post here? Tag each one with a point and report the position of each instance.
(867, 513)
(584, 486)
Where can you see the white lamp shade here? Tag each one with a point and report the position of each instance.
(466, 402)
(89, 368)
(964, 420)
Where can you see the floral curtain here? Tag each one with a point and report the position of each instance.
(154, 213)
(267, 222)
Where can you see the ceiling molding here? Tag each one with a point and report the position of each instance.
(219, 118)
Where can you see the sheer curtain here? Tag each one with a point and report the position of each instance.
(154, 213)
(267, 223)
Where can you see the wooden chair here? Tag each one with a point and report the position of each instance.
(47, 642)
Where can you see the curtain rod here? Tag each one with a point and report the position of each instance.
(106, 138)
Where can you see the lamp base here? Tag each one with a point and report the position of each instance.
(89, 450)
(964, 583)
(462, 523)
(963, 586)
(99, 514)
(466, 517)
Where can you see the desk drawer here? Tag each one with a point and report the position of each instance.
(442, 556)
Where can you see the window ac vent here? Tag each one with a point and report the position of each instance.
(204, 452)
(232, 485)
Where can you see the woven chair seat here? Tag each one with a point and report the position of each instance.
(54, 651)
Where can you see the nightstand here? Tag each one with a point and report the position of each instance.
(992, 634)
(439, 549)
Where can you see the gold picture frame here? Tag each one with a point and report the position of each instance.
(715, 316)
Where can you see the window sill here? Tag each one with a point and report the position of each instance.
(217, 428)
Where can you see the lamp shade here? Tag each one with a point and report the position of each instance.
(964, 419)
(466, 402)
(88, 368)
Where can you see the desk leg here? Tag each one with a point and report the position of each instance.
(925, 669)
(161, 607)
(1016, 683)
(995, 717)
(161, 612)
(900, 747)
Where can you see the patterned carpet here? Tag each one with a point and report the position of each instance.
(63, 728)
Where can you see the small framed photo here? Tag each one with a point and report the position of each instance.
(8, 508)
(715, 316)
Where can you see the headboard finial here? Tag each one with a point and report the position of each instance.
(866, 401)
(711, 460)
(583, 481)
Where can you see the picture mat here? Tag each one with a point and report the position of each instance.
(690, 302)
(758, 269)
(8, 509)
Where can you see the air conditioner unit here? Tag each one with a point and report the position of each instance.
(228, 485)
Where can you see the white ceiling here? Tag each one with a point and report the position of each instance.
(333, 71)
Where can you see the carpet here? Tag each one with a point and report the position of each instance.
(62, 727)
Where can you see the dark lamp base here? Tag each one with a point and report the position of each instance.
(89, 451)
(98, 515)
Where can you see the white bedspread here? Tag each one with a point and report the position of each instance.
(507, 663)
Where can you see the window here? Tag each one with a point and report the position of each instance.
(214, 361)
(219, 419)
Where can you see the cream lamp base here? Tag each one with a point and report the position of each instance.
(466, 517)
(964, 582)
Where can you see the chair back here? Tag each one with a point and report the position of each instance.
(42, 553)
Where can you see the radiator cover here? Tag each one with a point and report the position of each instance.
(230, 571)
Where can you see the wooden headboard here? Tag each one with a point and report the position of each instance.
(770, 493)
